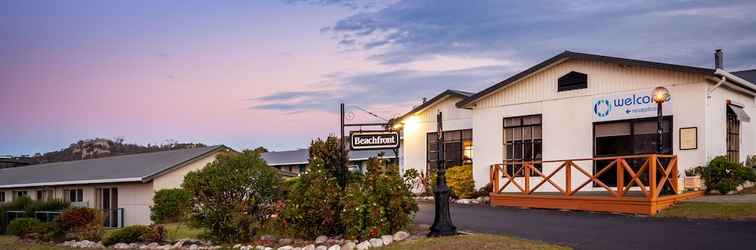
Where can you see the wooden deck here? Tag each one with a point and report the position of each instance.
(649, 199)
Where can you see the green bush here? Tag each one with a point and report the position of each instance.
(29, 207)
(154, 233)
(460, 181)
(81, 223)
(130, 234)
(170, 205)
(724, 176)
(22, 227)
(381, 204)
(313, 205)
(234, 196)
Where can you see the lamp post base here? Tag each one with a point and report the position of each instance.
(442, 224)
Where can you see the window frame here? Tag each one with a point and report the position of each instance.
(732, 138)
(461, 141)
(2, 196)
(518, 172)
(573, 84)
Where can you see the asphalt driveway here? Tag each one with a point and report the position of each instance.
(582, 230)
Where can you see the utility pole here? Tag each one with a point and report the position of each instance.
(442, 222)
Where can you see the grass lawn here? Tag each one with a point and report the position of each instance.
(184, 231)
(707, 210)
(475, 241)
(11, 242)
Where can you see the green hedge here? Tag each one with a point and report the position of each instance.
(23, 226)
(170, 205)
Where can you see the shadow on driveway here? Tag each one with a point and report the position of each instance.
(582, 230)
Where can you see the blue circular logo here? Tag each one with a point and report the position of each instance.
(602, 108)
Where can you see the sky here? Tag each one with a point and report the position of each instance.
(272, 72)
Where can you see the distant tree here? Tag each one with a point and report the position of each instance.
(329, 154)
(261, 149)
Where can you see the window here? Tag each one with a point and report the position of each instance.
(18, 194)
(628, 137)
(74, 195)
(733, 135)
(44, 195)
(522, 142)
(571, 81)
(458, 147)
(2, 196)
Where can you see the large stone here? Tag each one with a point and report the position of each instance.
(335, 247)
(321, 239)
(375, 242)
(309, 247)
(321, 247)
(363, 245)
(401, 235)
(194, 247)
(348, 245)
(121, 246)
(387, 239)
(285, 248)
(285, 241)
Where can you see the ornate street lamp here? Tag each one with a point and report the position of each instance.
(661, 95)
(442, 223)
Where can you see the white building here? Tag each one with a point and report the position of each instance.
(584, 106)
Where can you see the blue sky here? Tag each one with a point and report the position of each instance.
(271, 73)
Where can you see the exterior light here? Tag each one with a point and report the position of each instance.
(661, 95)
(398, 126)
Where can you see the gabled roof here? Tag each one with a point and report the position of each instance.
(566, 55)
(748, 75)
(435, 99)
(123, 168)
(301, 156)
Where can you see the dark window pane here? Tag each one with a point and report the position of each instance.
(467, 134)
(517, 150)
(508, 135)
(452, 135)
(531, 120)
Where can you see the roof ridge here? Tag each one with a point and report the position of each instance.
(47, 164)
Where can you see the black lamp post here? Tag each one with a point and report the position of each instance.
(442, 223)
(661, 95)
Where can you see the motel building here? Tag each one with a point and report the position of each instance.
(578, 131)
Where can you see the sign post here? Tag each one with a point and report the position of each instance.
(442, 223)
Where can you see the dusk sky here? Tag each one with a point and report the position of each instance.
(272, 73)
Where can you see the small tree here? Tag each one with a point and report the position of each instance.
(233, 196)
(724, 175)
(332, 158)
(313, 205)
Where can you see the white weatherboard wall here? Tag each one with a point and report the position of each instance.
(415, 134)
(568, 115)
(716, 113)
(175, 178)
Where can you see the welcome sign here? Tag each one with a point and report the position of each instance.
(362, 140)
(630, 105)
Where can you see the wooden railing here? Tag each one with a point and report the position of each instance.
(659, 175)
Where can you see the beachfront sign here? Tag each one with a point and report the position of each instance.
(629, 105)
(363, 140)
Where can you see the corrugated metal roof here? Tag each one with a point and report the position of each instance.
(124, 168)
(748, 75)
(300, 156)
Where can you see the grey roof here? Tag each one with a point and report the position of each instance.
(748, 75)
(300, 156)
(124, 168)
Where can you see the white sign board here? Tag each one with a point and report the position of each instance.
(363, 140)
(629, 105)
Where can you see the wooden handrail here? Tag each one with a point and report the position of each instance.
(652, 165)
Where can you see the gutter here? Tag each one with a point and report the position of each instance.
(739, 82)
(78, 182)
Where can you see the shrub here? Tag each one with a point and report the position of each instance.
(154, 233)
(81, 223)
(130, 234)
(460, 181)
(234, 196)
(724, 176)
(313, 204)
(22, 227)
(381, 204)
(29, 207)
(170, 205)
(750, 162)
(484, 191)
